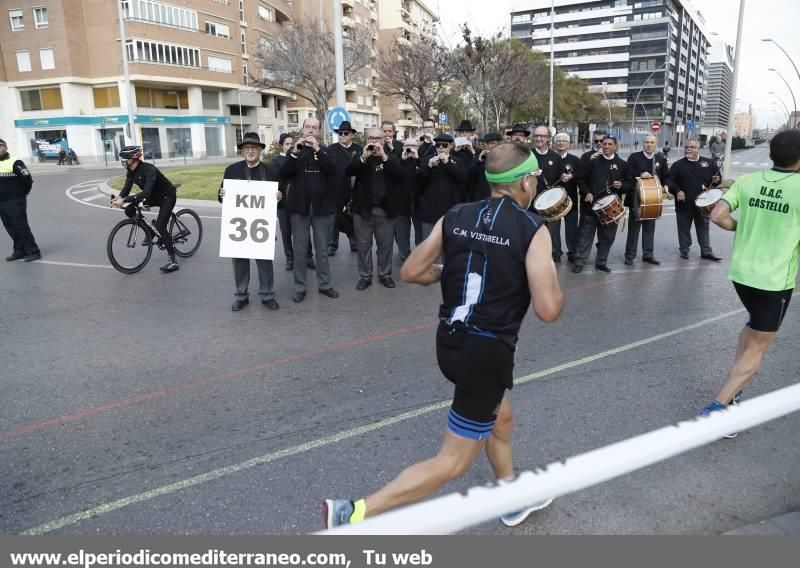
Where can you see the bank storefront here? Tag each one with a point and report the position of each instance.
(98, 138)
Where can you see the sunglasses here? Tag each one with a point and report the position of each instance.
(442, 144)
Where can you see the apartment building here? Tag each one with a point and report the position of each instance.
(744, 123)
(62, 82)
(362, 101)
(403, 20)
(649, 55)
(719, 95)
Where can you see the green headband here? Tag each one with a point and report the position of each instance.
(509, 176)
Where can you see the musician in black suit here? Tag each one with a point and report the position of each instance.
(645, 164)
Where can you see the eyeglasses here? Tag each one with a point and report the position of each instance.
(375, 138)
(345, 134)
(442, 144)
(541, 136)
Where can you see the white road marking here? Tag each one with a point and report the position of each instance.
(78, 192)
(96, 197)
(77, 264)
(341, 436)
(750, 164)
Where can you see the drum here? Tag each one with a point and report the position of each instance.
(651, 197)
(553, 204)
(609, 209)
(707, 200)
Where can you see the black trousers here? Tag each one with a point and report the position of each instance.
(15, 219)
(648, 230)
(686, 214)
(571, 232)
(606, 234)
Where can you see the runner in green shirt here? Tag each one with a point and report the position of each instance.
(765, 255)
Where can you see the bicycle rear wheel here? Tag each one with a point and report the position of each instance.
(125, 247)
(186, 231)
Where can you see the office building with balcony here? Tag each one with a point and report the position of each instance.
(362, 101)
(719, 92)
(61, 75)
(403, 21)
(646, 55)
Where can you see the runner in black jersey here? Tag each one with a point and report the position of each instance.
(496, 263)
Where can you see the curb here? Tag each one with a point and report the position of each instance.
(103, 187)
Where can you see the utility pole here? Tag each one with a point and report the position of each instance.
(128, 91)
(552, 57)
(736, 68)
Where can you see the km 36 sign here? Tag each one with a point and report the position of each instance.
(249, 219)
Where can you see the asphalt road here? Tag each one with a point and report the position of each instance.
(142, 405)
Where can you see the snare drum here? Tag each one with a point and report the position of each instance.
(609, 209)
(707, 200)
(553, 204)
(650, 195)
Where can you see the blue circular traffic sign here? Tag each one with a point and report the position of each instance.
(336, 116)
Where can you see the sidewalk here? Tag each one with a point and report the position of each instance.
(784, 525)
(51, 166)
(103, 187)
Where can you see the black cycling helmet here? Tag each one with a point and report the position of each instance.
(131, 153)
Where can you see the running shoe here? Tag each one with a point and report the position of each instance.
(717, 406)
(337, 512)
(514, 519)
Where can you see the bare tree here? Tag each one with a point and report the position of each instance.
(419, 71)
(525, 81)
(300, 60)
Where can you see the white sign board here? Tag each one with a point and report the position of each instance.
(249, 219)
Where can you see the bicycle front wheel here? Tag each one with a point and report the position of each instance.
(129, 247)
(186, 231)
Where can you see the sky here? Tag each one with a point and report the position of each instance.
(776, 19)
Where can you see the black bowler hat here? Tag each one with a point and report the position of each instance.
(251, 138)
(345, 127)
(521, 128)
(444, 138)
(465, 126)
(492, 137)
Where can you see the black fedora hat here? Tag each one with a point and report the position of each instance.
(444, 138)
(345, 126)
(492, 137)
(521, 128)
(465, 126)
(251, 138)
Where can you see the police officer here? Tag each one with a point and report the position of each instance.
(15, 185)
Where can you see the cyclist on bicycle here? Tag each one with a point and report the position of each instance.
(157, 191)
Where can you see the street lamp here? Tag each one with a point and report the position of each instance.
(780, 110)
(788, 87)
(608, 104)
(774, 94)
(770, 40)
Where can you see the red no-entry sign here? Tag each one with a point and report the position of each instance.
(655, 126)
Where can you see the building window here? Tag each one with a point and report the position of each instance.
(219, 64)
(161, 98)
(241, 11)
(265, 43)
(244, 44)
(245, 75)
(24, 61)
(265, 14)
(520, 18)
(292, 118)
(106, 97)
(210, 100)
(159, 13)
(278, 106)
(41, 99)
(218, 30)
(142, 51)
(264, 101)
(40, 17)
(46, 58)
(17, 21)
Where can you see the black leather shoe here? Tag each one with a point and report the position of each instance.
(685, 255)
(239, 303)
(330, 292)
(571, 258)
(270, 305)
(289, 265)
(299, 297)
(311, 265)
(705, 256)
(353, 248)
(15, 256)
(388, 282)
(651, 260)
(331, 252)
(363, 284)
(602, 267)
(32, 257)
(578, 268)
(629, 261)
(557, 259)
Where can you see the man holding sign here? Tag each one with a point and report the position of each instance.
(248, 222)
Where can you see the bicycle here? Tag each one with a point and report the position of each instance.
(130, 244)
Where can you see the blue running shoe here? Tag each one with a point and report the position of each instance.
(514, 519)
(716, 406)
(337, 512)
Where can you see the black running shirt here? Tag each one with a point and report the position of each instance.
(484, 282)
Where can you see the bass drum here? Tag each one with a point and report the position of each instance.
(553, 204)
(650, 193)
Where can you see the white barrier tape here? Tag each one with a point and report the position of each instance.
(457, 511)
